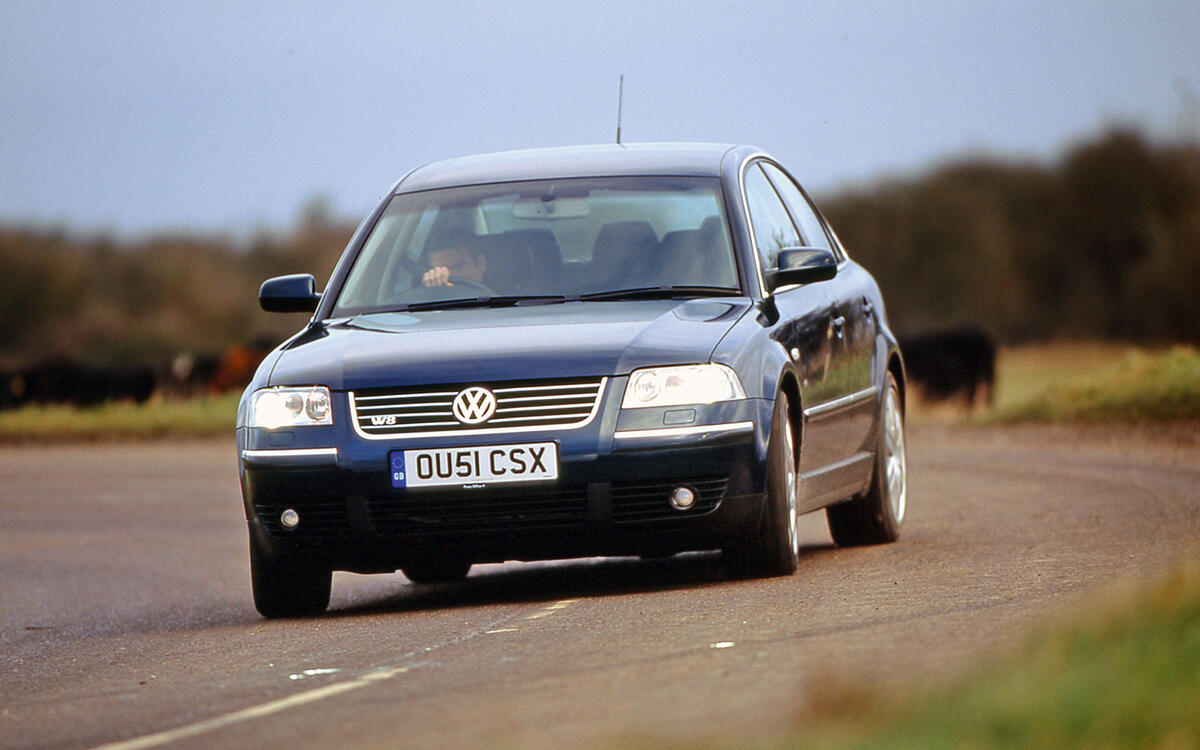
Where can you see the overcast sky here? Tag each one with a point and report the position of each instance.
(139, 117)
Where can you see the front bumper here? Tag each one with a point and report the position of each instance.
(610, 498)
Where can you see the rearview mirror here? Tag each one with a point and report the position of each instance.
(550, 208)
(802, 265)
(294, 293)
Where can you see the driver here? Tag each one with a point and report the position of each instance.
(455, 258)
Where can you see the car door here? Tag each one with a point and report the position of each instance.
(853, 320)
(804, 326)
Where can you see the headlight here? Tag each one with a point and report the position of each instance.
(676, 386)
(290, 407)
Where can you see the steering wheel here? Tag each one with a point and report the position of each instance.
(471, 284)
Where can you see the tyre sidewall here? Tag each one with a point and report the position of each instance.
(780, 557)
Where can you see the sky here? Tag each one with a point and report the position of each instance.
(144, 117)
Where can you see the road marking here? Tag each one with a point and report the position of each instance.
(299, 699)
(555, 607)
(312, 673)
(501, 630)
(254, 712)
(721, 644)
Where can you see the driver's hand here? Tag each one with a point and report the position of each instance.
(437, 276)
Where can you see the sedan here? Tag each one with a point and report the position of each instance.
(591, 351)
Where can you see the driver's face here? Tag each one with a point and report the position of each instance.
(458, 262)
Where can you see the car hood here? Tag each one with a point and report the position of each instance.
(486, 345)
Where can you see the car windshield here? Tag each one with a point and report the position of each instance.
(540, 242)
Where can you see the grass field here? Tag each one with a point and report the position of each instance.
(1096, 383)
(1122, 671)
(202, 417)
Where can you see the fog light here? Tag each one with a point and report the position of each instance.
(682, 498)
(289, 518)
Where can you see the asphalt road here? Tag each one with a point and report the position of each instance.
(125, 612)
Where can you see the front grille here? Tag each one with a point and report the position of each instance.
(643, 500)
(480, 511)
(520, 405)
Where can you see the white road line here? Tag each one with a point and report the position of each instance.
(254, 712)
(559, 605)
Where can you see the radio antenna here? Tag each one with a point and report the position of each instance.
(620, 97)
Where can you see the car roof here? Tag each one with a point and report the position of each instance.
(676, 159)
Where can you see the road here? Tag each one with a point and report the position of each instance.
(125, 609)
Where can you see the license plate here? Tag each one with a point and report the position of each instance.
(489, 464)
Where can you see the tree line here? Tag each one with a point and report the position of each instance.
(1102, 243)
(148, 300)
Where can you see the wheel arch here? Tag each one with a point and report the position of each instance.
(789, 386)
(895, 366)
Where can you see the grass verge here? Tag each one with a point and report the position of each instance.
(1122, 672)
(202, 417)
(1097, 383)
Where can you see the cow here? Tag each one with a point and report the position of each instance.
(188, 375)
(61, 380)
(13, 389)
(237, 364)
(951, 362)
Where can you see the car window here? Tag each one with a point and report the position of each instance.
(566, 237)
(812, 231)
(773, 228)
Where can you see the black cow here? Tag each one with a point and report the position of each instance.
(951, 362)
(60, 380)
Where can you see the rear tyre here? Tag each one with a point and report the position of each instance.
(288, 588)
(436, 571)
(875, 516)
(776, 549)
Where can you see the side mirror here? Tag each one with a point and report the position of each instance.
(294, 293)
(802, 265)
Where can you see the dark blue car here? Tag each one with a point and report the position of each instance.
(608, 350)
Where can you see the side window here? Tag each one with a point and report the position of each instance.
(773, 229)
(801, 209)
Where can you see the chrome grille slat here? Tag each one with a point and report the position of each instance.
(516, 389)
(542, 418)
(406, 424)
(523, 409)
(562, 397)
(385, 407)
(520, 406)
(448, 395)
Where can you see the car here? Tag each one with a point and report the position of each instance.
(615, 350)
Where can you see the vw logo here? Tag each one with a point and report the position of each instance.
(474, 405)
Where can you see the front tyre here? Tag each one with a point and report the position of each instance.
(875, 517)
(776, 550)
(288, 588)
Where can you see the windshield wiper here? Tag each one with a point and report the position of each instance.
(508, 300)
(664, 292)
